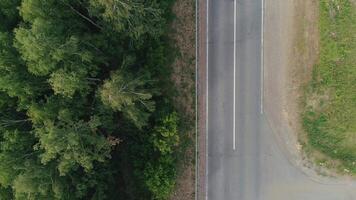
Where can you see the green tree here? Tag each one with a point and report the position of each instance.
(14, 78)
(135, 18)
(16, 148)
(6, 193)
(9, 16)
(37, 183)
(72, 143)
(128, 94)
(67, 83)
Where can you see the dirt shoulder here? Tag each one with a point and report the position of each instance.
(290, 51)
(304, 54)
(184, 80)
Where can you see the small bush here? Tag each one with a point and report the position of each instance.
(160, 172)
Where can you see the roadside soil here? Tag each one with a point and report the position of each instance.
(303, 56)
(184, 81)
(291, 49)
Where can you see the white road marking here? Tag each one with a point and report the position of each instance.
(234, 104)
(262, 56)
(207, 99)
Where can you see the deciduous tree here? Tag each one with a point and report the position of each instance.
(125, 93)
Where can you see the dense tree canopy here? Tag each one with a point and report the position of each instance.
(83, 86)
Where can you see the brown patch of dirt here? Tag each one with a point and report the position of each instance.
(314, 101)
(184, 65)
(303, 57)
(291, 51)
(185, 189)
(184, 80)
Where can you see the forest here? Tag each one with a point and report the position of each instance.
(86, 106)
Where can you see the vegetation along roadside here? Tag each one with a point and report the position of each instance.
(88, 105)
(183, 77)
(330, 99)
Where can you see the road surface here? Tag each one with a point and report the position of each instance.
(245, 161)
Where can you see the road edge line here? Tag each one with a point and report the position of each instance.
(262, 57)
(207, 103)
(234, 88)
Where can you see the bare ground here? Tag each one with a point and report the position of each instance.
(286, 66)
(184, 80)
(291, 51)
(304, 55)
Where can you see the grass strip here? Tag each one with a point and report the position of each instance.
(330, 107)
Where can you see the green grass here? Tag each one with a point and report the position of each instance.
(330, 112)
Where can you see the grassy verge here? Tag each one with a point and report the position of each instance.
(330, 105)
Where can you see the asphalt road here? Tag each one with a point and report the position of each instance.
(250, 165)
